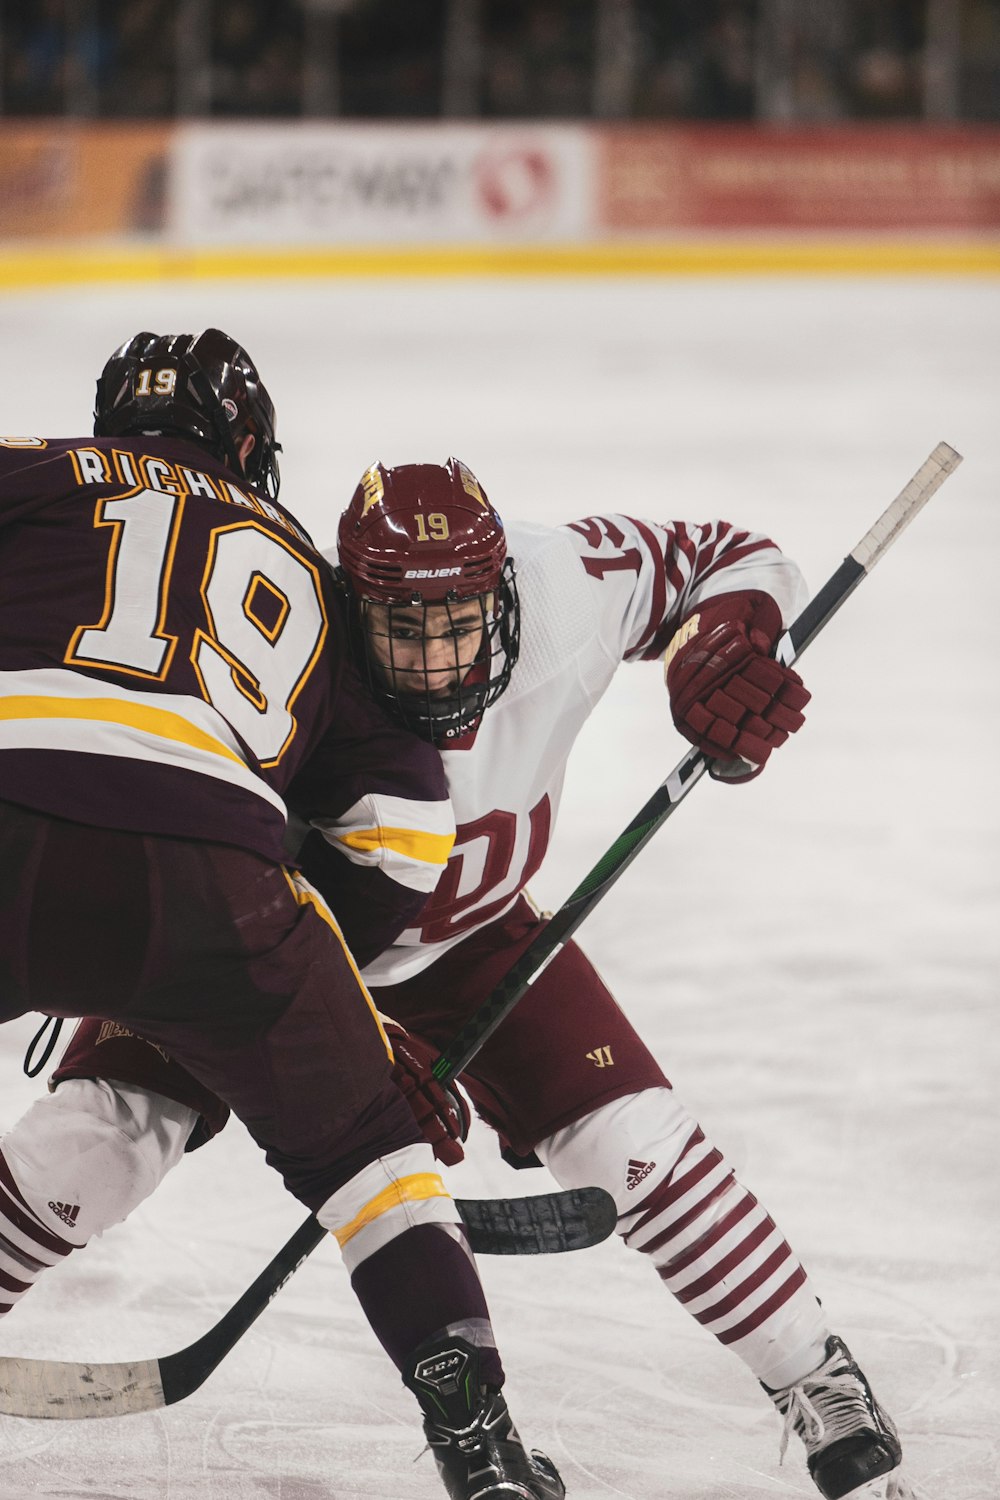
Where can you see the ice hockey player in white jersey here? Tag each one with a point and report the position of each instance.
(495, 644)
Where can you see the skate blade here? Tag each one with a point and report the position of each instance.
(892, 1486)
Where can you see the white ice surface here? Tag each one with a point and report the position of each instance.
(814, 957)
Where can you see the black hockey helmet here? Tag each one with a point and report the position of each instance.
(203, 386)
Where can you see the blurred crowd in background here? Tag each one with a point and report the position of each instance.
(773, 60)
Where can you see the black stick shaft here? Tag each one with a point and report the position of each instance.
(184, 1372)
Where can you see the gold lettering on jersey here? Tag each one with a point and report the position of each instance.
(111, 1029)
(23, 442)
(234, 496)
(601, 1057)
(687, 632)
(198, 483)
(123, 464)
(273, 514)
(374, 489)
(470, 484)
(157, 474)
(90, 466)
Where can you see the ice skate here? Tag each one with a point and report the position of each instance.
(851, 1445)
(469, 1430)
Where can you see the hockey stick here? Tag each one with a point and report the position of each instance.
(42, 1388)
(63, 1390)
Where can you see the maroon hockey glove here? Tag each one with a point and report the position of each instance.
(441, 1111)
(728, 695)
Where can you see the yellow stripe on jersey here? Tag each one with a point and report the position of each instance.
(157, 721)
(412, 843)
(413, 1189)
(408, 839)
(305, 895)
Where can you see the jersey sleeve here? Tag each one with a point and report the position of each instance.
(647, 576)
(375, 799)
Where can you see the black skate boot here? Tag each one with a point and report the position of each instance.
(469, 1430)
(852, 1448)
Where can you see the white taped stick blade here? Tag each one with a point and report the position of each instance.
(907, 504)
(67, 1392)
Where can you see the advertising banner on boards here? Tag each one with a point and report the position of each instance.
(60, 180)
(661, 180)
(310, 183)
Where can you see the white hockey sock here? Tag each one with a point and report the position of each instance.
(385, 1199)
(710, 1241)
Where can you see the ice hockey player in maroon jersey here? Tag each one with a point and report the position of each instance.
(174, 677)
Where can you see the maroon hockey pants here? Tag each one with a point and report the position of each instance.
(211, 953)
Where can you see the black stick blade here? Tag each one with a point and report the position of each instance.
(546, 1224)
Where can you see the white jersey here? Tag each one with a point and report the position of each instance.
(595, 593)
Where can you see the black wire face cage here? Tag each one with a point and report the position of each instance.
(397, 659)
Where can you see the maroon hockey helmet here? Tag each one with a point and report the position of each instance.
(203, 386)
(421, 550)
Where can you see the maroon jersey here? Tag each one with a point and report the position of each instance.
(173, 660)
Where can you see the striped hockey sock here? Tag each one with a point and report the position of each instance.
(718, 1250)
(711, 1243)
(27, 1247)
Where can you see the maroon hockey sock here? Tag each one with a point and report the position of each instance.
(422, 1282)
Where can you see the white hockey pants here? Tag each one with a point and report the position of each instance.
(77, 1162)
